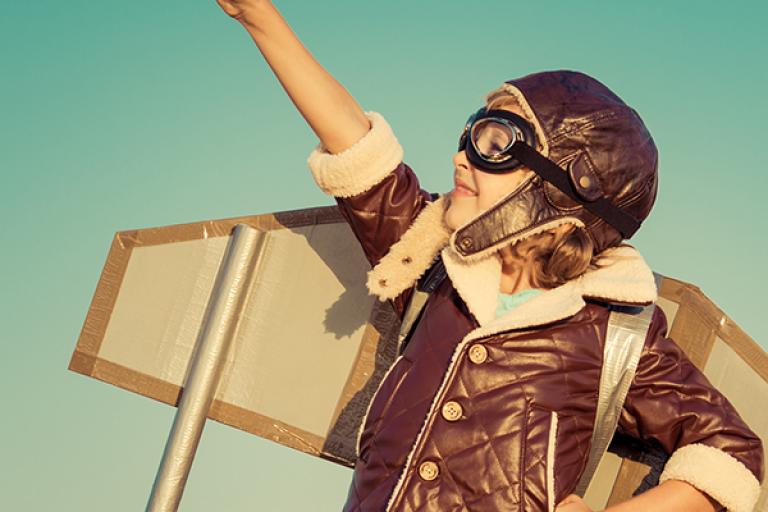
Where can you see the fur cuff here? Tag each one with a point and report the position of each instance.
(716, 473)
(361, 166)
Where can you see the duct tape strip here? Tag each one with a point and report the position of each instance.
(624, 342)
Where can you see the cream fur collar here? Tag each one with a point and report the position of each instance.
(623, 277)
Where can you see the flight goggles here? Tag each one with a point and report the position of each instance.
(498, 141)
(488, 138)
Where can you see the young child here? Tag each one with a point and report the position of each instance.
(491, 405)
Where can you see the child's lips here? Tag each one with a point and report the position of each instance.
(461, 189)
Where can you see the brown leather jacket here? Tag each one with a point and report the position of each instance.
(488, 414)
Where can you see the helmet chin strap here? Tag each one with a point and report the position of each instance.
(522, 213)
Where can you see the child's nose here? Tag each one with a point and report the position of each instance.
(460, 161)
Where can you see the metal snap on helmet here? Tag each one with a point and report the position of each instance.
(595, 166)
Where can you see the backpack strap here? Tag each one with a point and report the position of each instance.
(426, 285)
(627, 330)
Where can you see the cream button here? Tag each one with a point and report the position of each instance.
(428, 470)
(478, 354)
(452, 411)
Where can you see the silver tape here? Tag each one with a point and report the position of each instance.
(216, 333)
(624, 342)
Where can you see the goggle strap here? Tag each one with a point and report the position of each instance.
(626, 224)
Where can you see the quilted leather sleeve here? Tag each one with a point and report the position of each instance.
(672, 402)
(377, 193)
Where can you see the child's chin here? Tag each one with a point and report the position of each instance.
(454, 217)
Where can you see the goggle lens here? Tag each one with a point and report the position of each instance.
(491, 137)
(488, 138)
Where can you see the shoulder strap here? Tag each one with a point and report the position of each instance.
(624, 340)
(421, 291)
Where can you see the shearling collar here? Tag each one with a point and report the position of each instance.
(623, 277)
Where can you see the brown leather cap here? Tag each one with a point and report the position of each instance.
(602, 143)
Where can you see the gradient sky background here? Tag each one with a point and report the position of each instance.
(124, 115)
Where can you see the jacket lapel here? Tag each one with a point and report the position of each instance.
(412, 255)
(621, 276)
(477, 282)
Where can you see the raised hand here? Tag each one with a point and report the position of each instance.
(244, 11)
(331, 112)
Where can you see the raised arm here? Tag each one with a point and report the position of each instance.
(331, 112)
(359, 161)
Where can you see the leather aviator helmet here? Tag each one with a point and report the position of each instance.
(595, 165)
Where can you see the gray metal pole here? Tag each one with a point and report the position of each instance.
(219, 325)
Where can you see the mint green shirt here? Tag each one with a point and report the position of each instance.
(507, 302)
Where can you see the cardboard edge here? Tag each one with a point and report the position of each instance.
(220, 411)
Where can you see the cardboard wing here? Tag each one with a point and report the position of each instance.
(310, 346)
(727, 356)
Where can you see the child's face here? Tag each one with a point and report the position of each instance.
(475, 191)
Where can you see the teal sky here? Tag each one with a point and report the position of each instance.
(124, 115)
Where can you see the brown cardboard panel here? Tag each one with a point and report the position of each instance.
(82, 362)
(266, 427)
(692, 335)
(749, 351)
(223, 227)
(159, 310)
(693, 330)
(669, 308)
(300, 330)
(120, 252)
(103, 299)
(674, 289)
(228, 414)
(155, 286)
(630, 476)
(599, 491)
(132, 380)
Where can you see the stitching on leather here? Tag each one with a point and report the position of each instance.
(563, 162)
(551, 458)
(530, 228)
(547, 412)
(634, 197)
(583, 123)
(523, 449)
(586, 122)
(588, 161)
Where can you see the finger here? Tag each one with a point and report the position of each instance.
(228, 7)
(569, 499)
